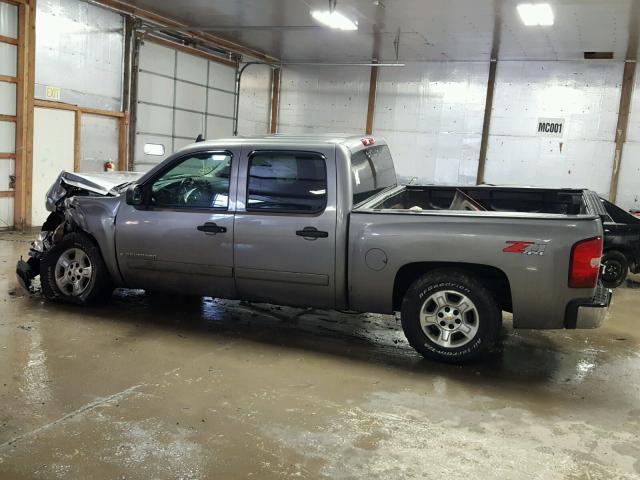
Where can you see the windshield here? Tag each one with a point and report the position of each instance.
(371, 171)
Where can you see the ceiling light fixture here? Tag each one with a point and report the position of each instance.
(334, 19)
(536, 14)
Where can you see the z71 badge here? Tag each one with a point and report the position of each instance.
(526, 248)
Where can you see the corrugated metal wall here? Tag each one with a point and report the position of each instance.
(431, 114)
(323, 99)
(586, 95)
(8, 66)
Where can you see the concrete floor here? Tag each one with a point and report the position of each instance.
(181, 389)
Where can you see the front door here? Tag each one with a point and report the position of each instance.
(181, 238)
(285, 227)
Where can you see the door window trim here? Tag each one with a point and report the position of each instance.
(252, 211)
(148, 184)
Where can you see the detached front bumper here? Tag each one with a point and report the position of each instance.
(588, 313)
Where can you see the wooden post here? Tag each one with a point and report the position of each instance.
(76, 140)
(122, 142)
(486, 123)
(628, 79)
(275, 99)
(371, 107)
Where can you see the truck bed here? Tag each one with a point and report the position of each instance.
(529, 200)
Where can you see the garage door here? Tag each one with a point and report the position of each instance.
(179, 97)
(8, 71)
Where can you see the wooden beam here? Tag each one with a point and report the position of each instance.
(30, 82)
(275, 99)
(123, 124)
(7, 193)
(8, 78)
(8, 118)
(486, 124)
(163, 21)
(371, 107)
(9, 40)
(75, 108)
(187, 49)
(77, 133)
(7, 156)
(628, 78)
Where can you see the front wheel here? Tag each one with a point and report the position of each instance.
(615, 268)
(450, 316)
(74, 271)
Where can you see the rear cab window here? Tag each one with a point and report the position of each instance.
(371, 172)
(285, 181)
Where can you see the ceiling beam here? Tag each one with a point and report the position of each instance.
(160, 20)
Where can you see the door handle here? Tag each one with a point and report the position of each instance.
(311, 232)
(210, 227)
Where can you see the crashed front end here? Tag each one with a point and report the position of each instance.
(60, 196)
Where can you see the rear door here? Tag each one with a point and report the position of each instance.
(285, 227)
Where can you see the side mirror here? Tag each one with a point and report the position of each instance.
(134, 195)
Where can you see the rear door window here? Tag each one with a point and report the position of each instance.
(294, 182)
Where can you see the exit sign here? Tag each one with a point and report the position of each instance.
(52, 93)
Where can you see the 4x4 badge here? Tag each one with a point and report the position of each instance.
(526, 248)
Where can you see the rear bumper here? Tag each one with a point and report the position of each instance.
(588, 313)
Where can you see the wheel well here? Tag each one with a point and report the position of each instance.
(493, 278)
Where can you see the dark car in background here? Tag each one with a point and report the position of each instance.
(621, 245)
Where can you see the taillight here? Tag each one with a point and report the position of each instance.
(585, 263)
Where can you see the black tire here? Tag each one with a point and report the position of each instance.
(486, 313)
(99, 287)
(615, 268)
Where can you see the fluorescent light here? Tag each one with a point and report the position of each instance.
(334, 20)
(536, 14)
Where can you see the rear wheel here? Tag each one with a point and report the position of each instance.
(73, 271)
(615, 268)
(450, 316)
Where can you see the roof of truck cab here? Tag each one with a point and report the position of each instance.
(349, 140)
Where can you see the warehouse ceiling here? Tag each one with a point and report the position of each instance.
(414, 30)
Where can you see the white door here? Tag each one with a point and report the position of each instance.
(53, 144)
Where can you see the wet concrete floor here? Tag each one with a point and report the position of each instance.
(177, 388)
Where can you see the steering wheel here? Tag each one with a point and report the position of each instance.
(184, 188)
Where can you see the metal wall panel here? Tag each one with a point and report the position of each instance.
(222, 77)
(192, 68)
(8, 20)
(218, 127)
(431, 114)
(6, 212)
(155, 119)
(158, 59)
(255, 101)
(188, 124)
(190, 97)
(7, 169)
(585, 94)
(155, 89)
(323, 99)
(8, 59)
(98, 142)
(79, 48)
(7, 99)
(221, 103)
(7, 137)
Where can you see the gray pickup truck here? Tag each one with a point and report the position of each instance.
(321, 222)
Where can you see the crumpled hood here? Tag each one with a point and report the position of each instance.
(100, 183)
